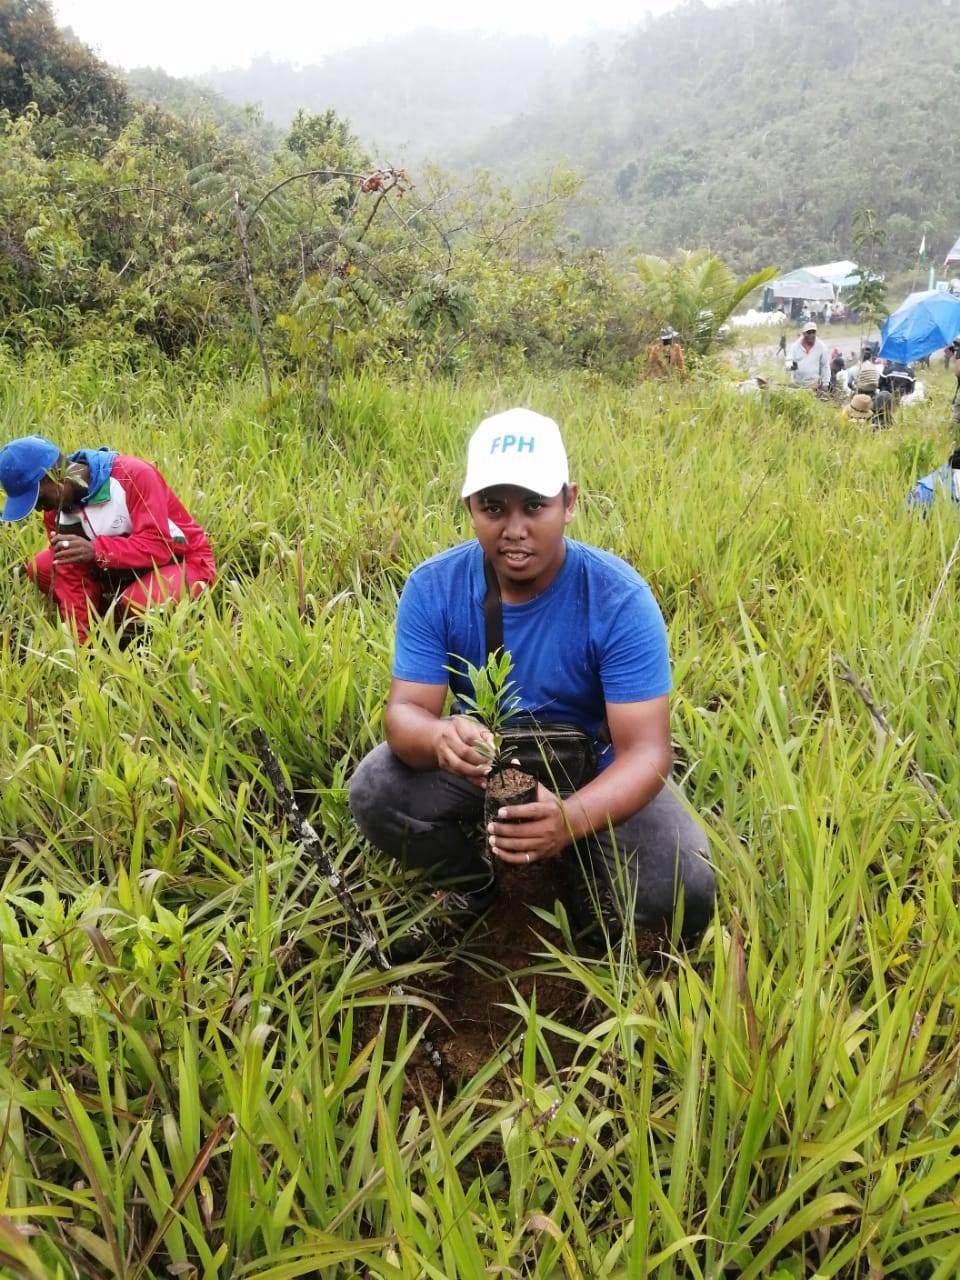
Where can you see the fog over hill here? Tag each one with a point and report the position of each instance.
(753, 128)
(759, 131)
(428, 94)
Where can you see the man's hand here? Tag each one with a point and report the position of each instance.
(464, 747)
(540, 832)
(68, 548)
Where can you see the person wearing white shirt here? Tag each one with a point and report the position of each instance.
(807, 361)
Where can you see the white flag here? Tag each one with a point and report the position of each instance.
(923, 245)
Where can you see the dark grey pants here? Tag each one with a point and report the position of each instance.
(655, 864)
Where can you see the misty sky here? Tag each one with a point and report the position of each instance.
(185, 36)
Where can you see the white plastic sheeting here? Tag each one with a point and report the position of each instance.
(767, 318)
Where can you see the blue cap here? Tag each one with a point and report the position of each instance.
(23, 464)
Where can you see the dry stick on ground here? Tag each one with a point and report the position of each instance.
(880, 719)
(312, 846)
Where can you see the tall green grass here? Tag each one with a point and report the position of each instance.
(195, 1076)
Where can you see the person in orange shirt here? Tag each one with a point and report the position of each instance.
(665, 357)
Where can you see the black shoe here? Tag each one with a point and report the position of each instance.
(459, 910)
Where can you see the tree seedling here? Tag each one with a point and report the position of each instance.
(494, 699)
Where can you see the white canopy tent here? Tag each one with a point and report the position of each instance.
(821, 283)
(842, 275)
(815, 291)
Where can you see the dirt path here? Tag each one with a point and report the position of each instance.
(755, 351)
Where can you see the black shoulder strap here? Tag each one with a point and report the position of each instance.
(492, 609)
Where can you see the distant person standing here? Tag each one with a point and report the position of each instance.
(782, 344)
(678, 361)
(665, 357)
(807, 361)
(837, 366)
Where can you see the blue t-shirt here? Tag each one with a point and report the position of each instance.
(596, 635)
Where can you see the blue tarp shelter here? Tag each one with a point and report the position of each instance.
(924, 322)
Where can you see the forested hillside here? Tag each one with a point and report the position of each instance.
(755, 128)
(185, 223)
(759, 129)
(182, 227)
(201, 106)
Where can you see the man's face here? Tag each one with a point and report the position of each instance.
(521, 534)
(48, 499)
(809, 338)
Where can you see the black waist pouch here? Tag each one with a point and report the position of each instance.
(561, 756)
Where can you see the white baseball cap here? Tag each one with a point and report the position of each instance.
(809, 327)
(517, 447)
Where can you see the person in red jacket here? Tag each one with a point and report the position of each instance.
(117, 531)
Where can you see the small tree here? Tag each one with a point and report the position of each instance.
(441, 309)
(493, 697)
(868, 296)
(329, 224)
(693, 293)
(494, 700)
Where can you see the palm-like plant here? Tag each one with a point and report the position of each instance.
(694, 293)
(493, 699)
